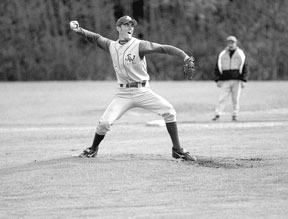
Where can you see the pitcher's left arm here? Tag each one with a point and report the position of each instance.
(147, 47)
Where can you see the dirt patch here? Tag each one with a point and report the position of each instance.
(230, 163)
(138, 160)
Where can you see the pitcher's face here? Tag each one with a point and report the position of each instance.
(126, 31)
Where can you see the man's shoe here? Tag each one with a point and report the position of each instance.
(182, 154)
(217, 117)
(89, 153)
(234, 118)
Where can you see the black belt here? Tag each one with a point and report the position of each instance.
(134, 84)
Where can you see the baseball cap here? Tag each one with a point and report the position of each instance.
(125, 19)
(232, 38)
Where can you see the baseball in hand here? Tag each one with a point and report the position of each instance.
(74, 25)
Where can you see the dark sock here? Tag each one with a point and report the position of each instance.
(97, 140)
(173, 132)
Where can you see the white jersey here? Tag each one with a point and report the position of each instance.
(127, 63)
(129, 59)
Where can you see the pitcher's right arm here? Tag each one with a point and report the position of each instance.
(92, 37)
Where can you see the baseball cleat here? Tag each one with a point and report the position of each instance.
(89, 153)
(184, 155)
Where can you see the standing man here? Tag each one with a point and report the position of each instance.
(128, 58)
(231, 74)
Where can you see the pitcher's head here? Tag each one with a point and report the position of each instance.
(125, 27)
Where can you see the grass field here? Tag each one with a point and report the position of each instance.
(242, 170)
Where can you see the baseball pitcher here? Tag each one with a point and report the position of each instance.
(128, 58)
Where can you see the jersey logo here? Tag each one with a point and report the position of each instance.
(130, 58)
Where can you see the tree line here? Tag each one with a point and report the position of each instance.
(37, 44)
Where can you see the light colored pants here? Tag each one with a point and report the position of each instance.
(229, 88)
(128, 98)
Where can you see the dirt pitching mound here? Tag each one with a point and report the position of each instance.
(136, 161)
(209, 162)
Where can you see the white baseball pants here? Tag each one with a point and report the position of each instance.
(128, 98)
(229, 88)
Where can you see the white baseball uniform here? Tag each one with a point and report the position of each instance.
(133, 79)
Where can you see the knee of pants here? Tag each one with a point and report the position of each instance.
(103, 127)
(170, 116)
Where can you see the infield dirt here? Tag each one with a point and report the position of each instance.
(241, 173)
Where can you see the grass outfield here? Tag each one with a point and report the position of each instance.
(242, 169)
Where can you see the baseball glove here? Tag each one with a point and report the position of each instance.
(189, 68)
